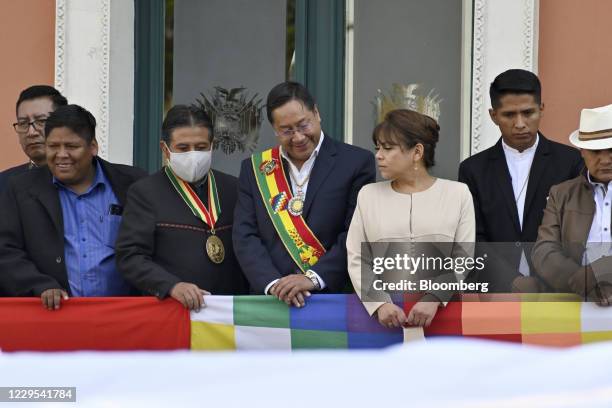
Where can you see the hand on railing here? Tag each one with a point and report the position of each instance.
(51, 298)
(190, 295)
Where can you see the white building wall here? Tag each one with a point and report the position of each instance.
(505, 36)
(94, 67)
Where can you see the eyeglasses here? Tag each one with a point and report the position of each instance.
(306, 127)
(24, 126)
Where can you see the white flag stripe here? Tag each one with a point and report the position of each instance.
(595, 318)
(219, 309)
(262, 338)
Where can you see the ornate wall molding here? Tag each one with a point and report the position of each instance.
(478, 56)
(499, 43)
(60, 44)
(102, 130)
(94, 54)
(528, 34)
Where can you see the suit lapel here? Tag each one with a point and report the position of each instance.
(537, 172)
(47, 194)
(502, 175)
(324, 163)
(117, 180)
(586, 204)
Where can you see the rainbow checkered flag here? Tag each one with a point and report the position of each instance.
(263, 322)
(341, 322)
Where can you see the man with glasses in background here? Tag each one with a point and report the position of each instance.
(296, 201)
(34, 106)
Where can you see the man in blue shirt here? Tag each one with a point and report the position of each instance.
(61, 236)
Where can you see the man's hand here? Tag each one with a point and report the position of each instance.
(583, 281)
(525, 284)
(51, 298)
(391, 316)
(604, 292)
(422, 313)
(189, 295)
(292, 289)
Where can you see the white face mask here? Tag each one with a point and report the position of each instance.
(191, 166)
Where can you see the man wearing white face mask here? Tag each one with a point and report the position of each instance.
(175, 238)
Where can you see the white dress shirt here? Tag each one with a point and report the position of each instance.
(599, 241)
(519, 166)
(297, 177)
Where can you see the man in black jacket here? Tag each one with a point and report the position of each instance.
(59, 235)
(34, 106)
(510, 181)
(176, 236)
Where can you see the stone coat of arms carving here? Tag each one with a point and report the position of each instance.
(236, 118)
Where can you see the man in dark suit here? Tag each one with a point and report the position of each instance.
(34, 106)
(296, 201)
(60, 235)
(510, 181)
(166, 245)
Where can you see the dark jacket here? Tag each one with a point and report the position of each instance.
(488, 178)
(32, 230)
(13, 171)
(339, 172)
(161, 242)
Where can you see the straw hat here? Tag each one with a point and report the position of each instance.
(595, 131)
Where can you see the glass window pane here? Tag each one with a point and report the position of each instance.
(224, 45)
(406, 42)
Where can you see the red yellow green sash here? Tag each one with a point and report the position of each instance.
(299, 240)
(208, 215)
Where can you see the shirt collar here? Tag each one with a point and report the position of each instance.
(99, 179)
(314, 153)
(597, 183)
(526, 152)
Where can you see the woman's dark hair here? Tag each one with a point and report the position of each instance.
(74, 117)
(185, 116)
(408, 128)
(286, 92)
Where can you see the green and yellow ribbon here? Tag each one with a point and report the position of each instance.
(300, 242)
(208, 215)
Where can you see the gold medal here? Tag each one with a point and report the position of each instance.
(296, 206)
(215, 249)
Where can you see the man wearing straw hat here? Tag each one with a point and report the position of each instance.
(572, 253)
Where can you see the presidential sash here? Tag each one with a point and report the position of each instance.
(300, 242)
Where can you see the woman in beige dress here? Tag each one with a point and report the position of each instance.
(410, 206)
